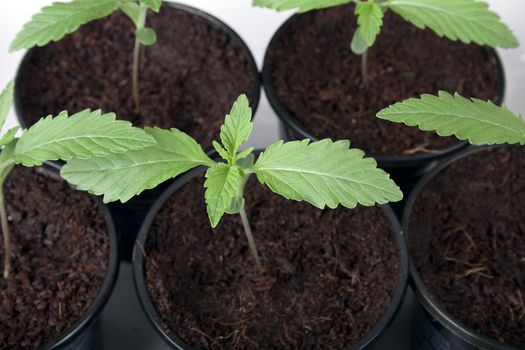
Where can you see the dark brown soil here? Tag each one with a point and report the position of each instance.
(60, 254)
(189, 78)
(318, 78)
(467, 238)
(329, 278)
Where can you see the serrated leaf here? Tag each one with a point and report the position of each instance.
(300, 5)
(465, 20)
(85, 134)
(222, 185)
(222, 152)
(325, 173)
(369, 21)
(474, 120)
(6, 101)
(245, 158)
(152, 4)
(146, 36)
(9, 136)
(237, 126)
(133, 11)
(122, 176)
(59, 19)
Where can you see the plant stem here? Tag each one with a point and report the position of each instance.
(251, 241)
(141, 22)
(6, 235)
(364, 59)
(136, 65)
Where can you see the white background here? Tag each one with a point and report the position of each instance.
(256, 26)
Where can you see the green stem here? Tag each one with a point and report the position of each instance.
(364, 59)
(6, 235)
(136, 65)
(251, 241)
(136, 59)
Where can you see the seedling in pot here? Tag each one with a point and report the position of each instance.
(80, 136)
(478, 122)
(60, 19)
(323, 173)
(465, 20)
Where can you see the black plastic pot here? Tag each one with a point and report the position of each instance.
(130, 215)
(173, 340)
(434, 328)
(84, 334)
(404, 169)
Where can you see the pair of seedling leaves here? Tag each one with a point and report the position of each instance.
(111, 158)
(62, 18)
(465, 20)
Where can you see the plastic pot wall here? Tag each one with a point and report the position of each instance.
(434, 328)
(85, 334)
(175, 342)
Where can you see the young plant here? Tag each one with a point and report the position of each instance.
(474, 120)
(81, 136)
(465, 20)
(323, 173)
(60, 19)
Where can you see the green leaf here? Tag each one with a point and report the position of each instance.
(235, 206)
(300, 5)
(465, 20)
(369, 20)
(6, 161)
(245, 158)
(59, 19)
(474, 120)
(9, 136)
(6, 101)
(133, 11)
(358, 45)
(83, 135)
(222, 184)
(237, 126)
(222, 152)
(122, 176)
(146, 36)
(324, 173)
(152, 4)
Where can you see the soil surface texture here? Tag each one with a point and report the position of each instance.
(467, 239)
(329, 274)
(60, 257)
(189, 79)
(318, 79)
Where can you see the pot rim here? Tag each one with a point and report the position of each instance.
(388, 161)
(253, 96)
(430, 304)
(90, 316)
(176, 342)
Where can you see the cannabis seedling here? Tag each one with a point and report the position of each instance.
(474, 120)
(81, 136)
(323, 173)
(465, 20)
(54, 22)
